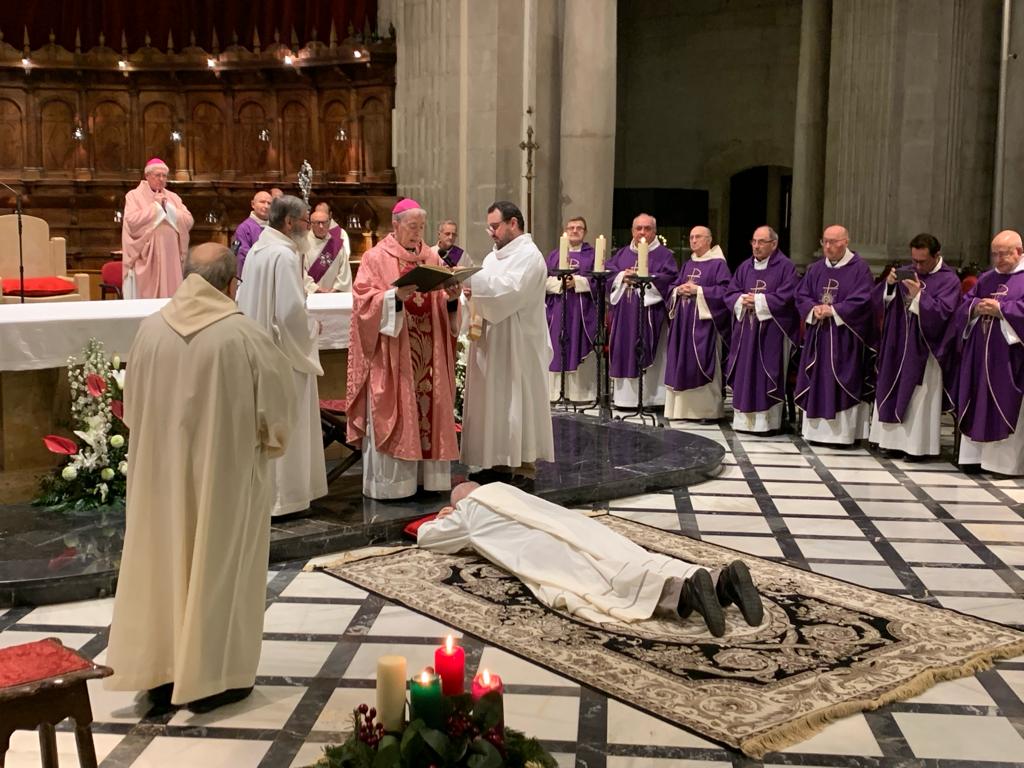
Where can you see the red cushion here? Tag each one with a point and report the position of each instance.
(111, 273)
(412, 529)
(39, 286)
(31, 662)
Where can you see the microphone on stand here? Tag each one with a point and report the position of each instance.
(21, 253)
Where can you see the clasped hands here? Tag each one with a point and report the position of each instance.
(987, 308)
(821, 311)
(686, 289)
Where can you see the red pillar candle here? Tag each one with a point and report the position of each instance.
(486, 684)
(450, 663)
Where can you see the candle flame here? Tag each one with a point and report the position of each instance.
(486, 677)
(449, 644)
(424, 677)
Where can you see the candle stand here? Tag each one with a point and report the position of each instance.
(642, 283)
(563, 403)
(603, 403)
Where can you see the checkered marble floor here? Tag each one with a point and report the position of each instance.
(921, 530)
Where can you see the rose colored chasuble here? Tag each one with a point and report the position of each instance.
(154, 241)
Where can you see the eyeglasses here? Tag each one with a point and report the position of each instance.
(494, 227)
(761, 241)
(829, 241)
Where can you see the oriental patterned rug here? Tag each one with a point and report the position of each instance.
(826, 649)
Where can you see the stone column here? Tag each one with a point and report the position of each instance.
(1008, 211)
(587, 163)
(810, 130)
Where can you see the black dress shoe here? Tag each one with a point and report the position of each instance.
(210, 703)
(970, 469)
(490, 475)
(161, 695)
(736, 586)
(698, 594)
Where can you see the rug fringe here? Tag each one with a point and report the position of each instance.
(354, 556)
(803, 728)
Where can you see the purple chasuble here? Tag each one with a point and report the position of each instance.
(452, 256)
(756, 365)
(831, 376)
(327, 255)
(580, 314)
(692, 350)
(991, 378)
(908, 338)
(247, 234)
(624, 336)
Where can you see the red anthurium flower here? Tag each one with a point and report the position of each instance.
(58, 444)
(96, 384)
(117, 407)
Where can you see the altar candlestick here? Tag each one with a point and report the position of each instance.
(563, 251)
(450, 663)
(425, 698)
(641, 258)
(391, 692)
(599, 248)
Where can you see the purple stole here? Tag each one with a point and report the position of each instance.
(831, 377)
(452, 256)
(327, 255)
(580, 314)
(692, 351)
(991, 377)
(756, 361)
(908, 339)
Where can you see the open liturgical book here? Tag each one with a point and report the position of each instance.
(427, 277)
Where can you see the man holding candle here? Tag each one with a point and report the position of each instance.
(699, 322)
(644, 256)
(580, 314)
(572, 563)
(764, 328)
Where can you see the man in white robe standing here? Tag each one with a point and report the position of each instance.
(573, 563)
(326, 255)
(506, 418)
(273, 296)
(207, 399)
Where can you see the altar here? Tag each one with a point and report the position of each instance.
(36, 341)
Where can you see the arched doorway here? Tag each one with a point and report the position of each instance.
(758, 195)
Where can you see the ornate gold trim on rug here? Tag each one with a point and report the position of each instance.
(826, 648)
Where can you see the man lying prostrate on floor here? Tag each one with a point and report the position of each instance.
(573, 563)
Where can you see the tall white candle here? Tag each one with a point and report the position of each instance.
(599, 249)
(391, 692)
(641, 258)
(563, 251)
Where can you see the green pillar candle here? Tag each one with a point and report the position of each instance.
(425, 698)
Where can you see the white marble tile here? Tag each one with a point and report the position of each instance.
(925, 466)
(645, 501)
(337, 712)
(730, 473)
(564, 759)
(1009, 482)
(825, 507)
(364, 662)
(521, 672)
(1009, 533)
(762, 546)
(631, 726)
(667, 521)
(753, 446)
(965, 692)
(789, 474)
(737, 487)
(176, 752)
(960, 494)
(895, 509)
(925, 552)
(397, 621)
(837, 549)
(875, 477)
(1015, 679)
(70, 639)
(308, 584)
(87, 613)
(293, 658)
(828, 450)
(960, 737)
(760, 460)
(813, 526)
(849, 462)
(1017, 494)
(870, 576)
(878, 492)
(1005, 610)
(983, 512)
(732, 524)
(955, 579)
(1009, 555)
(942, 478)
(543, 717)
(902, 529)
(117, 706)
(849, 736)
(308, 618)
(724, 504)
(800, 490)
(268, 707)
(24, 749)
(308, 754)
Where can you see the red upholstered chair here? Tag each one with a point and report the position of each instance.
(334, 425)
(110, 279)
(42, 683)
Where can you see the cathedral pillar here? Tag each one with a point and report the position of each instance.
(1008, 208)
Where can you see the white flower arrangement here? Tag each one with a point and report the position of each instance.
(461, 361)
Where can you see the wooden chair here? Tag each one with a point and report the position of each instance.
(334, 425)
(45, 256)
(42, 683)
(110, 279)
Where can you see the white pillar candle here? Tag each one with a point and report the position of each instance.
(599, 248)
(391, 692)
(563, 251)
(641, 258)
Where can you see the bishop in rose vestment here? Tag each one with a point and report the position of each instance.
(988, 328)
(833, 380)
(699, 322)
(764, 328)
(911, 392)
(401, 367)
(154, 237)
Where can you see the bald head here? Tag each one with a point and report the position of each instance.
(834, 242)
(213, 262)
(645, 226)
(1006, 251)
(700, 240)
(462, 490)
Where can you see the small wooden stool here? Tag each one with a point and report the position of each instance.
(42, 683)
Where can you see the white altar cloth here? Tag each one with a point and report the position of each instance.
(45, 335)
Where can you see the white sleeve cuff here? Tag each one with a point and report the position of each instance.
(761, 307)
(390, 318)
(703, 310)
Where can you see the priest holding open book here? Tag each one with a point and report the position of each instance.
(401, 366)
